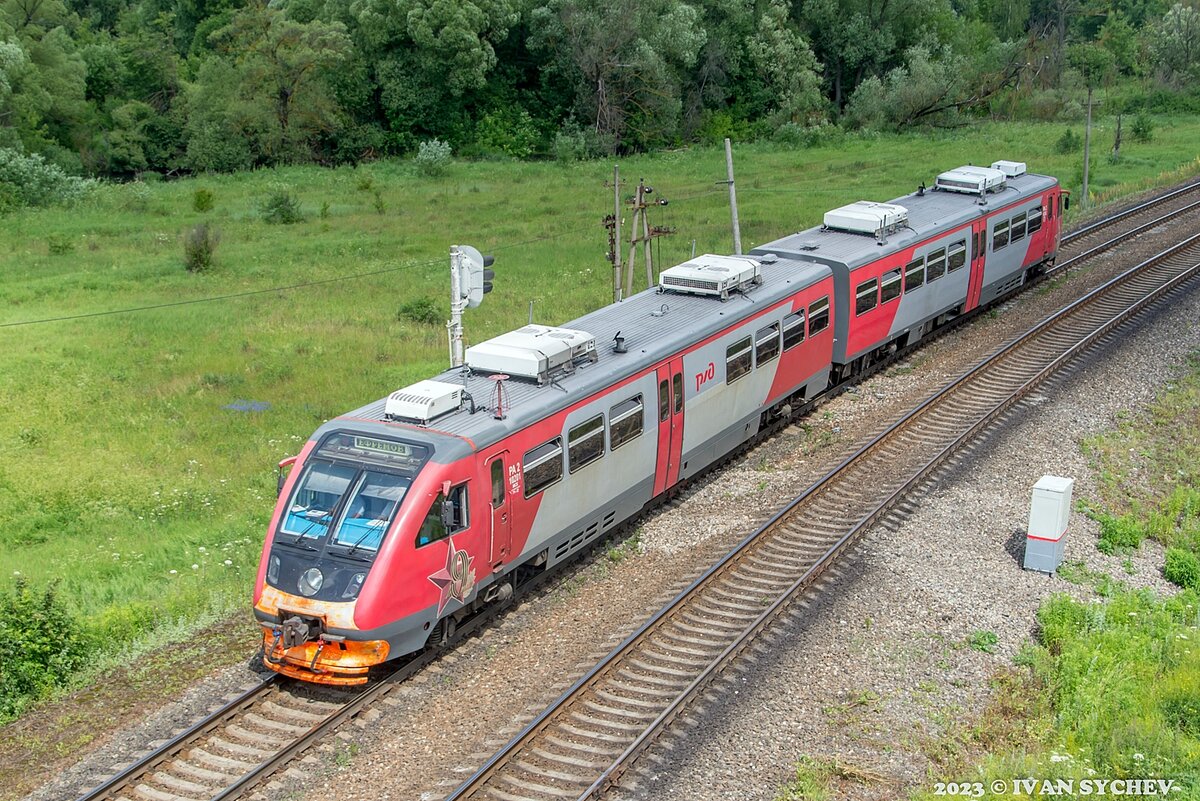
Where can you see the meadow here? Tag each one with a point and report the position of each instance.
(131, 471)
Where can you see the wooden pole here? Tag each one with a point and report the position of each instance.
(1087, 148)
(646, 245)
(616, 254)
(633, 237)
(737, 231)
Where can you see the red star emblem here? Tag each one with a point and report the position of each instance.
(457, 579)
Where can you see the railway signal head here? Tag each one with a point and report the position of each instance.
(475, 278)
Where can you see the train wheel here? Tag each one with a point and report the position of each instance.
(444, 632)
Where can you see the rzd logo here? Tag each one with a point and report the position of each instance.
(706, 375)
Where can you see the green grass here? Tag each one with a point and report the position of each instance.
(123, 475)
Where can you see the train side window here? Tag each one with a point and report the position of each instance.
(625, 421)
(677, 383)
(737, 360)
(1035, 220)
(889, 288)
(914, 275)
(664, 400)
(543, 466)
(497, 483)
(935, 265)
(434, 527)
(766, 344)
(585, 442)
(818, 316)
(866, 296)
(1000, 235)
(958, 255)
(793, 330)
(1017, 229)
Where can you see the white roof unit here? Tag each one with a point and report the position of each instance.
(1012, 169)
(534, 351)
(711, 275)
(423, 401)
(865, 217)
(972, 180)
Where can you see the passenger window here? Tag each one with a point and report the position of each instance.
(935, 265)
(434, 528)
(497, 483)
(889, 288)
(737, 360)
(543, 466)
(677, 383)
(958, 255)
(866, 296)
(664, 400)
(766, 344)
(1000, 235)
(585, 442)
(1035, 220)
(818, 316)
(793, 330)
(1017, 229)
(625, 421)
(914, 275)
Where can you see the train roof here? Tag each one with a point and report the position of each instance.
(929, 213)
(654, 326)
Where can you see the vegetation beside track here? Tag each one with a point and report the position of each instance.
(136, 466)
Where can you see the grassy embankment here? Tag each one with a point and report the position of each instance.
(122, 473)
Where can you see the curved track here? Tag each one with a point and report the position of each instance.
(626, 701)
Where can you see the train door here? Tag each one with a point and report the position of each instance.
(498, 466)
(670, 425)
(978, 262)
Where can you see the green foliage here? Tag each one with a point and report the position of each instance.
(432, 158)
(805, 136)
(203, 200)
(1175, 45)
(42, 645)
(421, 310)
(59, 245)
(29, 180)
(507, 131)
(280, 206)
(1069, 142)
(1183, 568)
(200, 247)
(983, 641)
(1118, 534)
(1142, 129)
(810, 782)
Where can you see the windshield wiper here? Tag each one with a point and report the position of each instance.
(359, 542)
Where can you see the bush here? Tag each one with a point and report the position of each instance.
(422, 311)
(203, 200)
(1142, 129)
(574, 142)
(433, 158)
(33, 181)
(199, 247)
(281, 207)
(1119, 534)
(792, 134)
(41, 646)
(59, 245)
(508, 131)
(1183, 568)
(1069, 142)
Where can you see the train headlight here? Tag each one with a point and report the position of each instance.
(311, 581)
(355, 584)
(273, 570)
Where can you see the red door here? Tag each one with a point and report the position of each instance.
(497, 466)
(670, 425)
(978, 261)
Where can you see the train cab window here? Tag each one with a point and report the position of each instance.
(543, 466)
(585, 442)
(737, 360)
(1017, 229)
(935, 265)
(625, 421)
(914, 275)
(1000, 235)
(664, 400)
(366, 515)
(319, 491)
(766, 344)
(497, 483)
(866, 296)
(793, 330)
(1035, 220)
(677, 385)
(818, 316)
(434, 527)
(889, 287)
(957, 255)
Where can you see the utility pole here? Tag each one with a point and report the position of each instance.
(641, 231)
(1087, 147)
(458, 304)
(613, 223)
(737, 231)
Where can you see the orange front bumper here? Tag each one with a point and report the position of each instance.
(324, 662)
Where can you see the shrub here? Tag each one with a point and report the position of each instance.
(203, 200)
(137, 196)
(199, 247)
(574, 142)
(1142, 129)
(59, 245)
(433, 158)
(30, 180)
(1183, 568)
(1069, 142)
(1119, 534)
(422, 311)
(380, 206)
(508, 131)
(41, 645)
(983, 641)
(365, 182)
(281, 207)
(795, 135)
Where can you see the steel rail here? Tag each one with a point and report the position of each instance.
(1121, 214)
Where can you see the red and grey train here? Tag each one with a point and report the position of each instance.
(405, 516)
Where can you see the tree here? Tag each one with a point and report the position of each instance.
(1175, 45)
(788, 67)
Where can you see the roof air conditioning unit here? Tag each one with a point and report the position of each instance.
(711, 275)
(866, 217)
(1013, 169)
(972, 180)
(534, 351)
(423, 401)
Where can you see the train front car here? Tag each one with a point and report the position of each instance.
(335, 593)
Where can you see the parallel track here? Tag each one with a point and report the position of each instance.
(236, 747)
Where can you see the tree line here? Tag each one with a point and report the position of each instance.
(120, 87)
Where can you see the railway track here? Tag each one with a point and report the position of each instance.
(235, 748)
(585, 741)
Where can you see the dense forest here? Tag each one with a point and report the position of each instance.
(123, 87)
